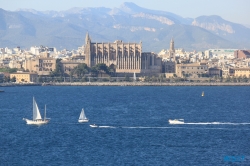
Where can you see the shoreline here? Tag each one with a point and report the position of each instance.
(126, 84)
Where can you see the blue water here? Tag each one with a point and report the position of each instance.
(133, 122)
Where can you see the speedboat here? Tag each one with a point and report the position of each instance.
(93, 125)
(176, 121)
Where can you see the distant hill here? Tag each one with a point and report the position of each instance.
(129, 22)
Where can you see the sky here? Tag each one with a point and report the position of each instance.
(236, 11)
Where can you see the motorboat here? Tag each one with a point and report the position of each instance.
(93, 125)
(176, 121)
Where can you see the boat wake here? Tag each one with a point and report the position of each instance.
(217, 123)
(188, 127)
(107, 127)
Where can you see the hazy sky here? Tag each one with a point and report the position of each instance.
(237, 11)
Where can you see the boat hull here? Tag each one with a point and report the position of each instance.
(175, 121)
(36, 122)
(94, 126)
(83, 120)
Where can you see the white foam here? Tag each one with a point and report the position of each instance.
(217, 123)
(107, 127)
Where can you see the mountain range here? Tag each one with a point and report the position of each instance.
(129, 23)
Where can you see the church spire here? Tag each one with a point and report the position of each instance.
(87, 38)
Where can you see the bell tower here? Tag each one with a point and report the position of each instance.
(172, 50)
(87, 50)
(172, 45)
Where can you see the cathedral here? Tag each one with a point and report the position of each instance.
(123, 57)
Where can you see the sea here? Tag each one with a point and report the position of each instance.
(133, 127)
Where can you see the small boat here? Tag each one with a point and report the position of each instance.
(176, 121)
(202, 94)
(93, 125)
(1, 90)
(82, 117)
(37, 119)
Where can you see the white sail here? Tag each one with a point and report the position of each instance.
(82, 115)
(37, 119)
(36, 112)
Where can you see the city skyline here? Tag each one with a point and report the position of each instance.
(191, 8)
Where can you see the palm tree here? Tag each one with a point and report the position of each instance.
(102, 67)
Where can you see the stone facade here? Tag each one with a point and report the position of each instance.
(41, 65)
(169, 65)
(242, 72)
(67, 66)
(24, 77)
(193, 70)
(124, 57)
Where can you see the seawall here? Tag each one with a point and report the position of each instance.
(127, 84)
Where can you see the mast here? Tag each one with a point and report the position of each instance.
(45, 113)
(34, 109)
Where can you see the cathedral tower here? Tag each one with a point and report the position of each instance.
(172, 45)
(87, 51)
(172, 50)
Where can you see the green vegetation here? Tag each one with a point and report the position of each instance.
(80, 70)
(100, 69)
(58, 71)
(13, 79)
(8, 70)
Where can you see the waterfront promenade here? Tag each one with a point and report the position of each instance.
(129, 84)
(148, 84)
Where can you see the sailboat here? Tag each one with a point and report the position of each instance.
(202, 94)
(82, 117)
(37, 119)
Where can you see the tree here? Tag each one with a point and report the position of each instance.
(80, 70)
(245, 79)
(13, 79)
(102, 67)
(112, 69)
(8, 70)
(126, 78)
(234, 79)
(57, 71)
(228, 79)
(239, 78)
(6, 79)
(40, 79)
(94, 71)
